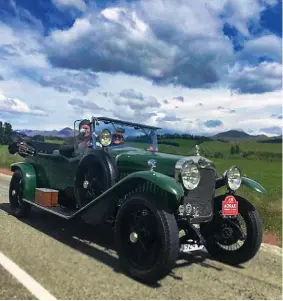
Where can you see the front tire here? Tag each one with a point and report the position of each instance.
(219, 246)
(18, 207)
(147, 238)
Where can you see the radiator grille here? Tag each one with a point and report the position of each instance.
(202, 196)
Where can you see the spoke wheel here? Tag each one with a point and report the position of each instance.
(91, 187)
(18, 207)
(140, 236)
(237, 240)
(146, 238)
(232, 233)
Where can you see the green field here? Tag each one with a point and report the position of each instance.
(267, 172)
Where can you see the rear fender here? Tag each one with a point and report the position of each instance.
(29, 177)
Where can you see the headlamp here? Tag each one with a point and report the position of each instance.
(105, 137)
(233, 178)
(190, 175)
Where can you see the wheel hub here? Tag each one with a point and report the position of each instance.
(134, 237)
(227, 232)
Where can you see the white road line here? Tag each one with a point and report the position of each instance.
(25, 279)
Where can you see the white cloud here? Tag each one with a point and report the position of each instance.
(141, 49)
(267, 45)
(21, 48)
(262, 78)
(17, 106)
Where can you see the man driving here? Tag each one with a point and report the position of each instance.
(83, 139)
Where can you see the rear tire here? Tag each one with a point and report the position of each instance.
(156, 249)
(253, 239)
(18, 207)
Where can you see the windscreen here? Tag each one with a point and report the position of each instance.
(126, 136)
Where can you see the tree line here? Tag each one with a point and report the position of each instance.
(5, 133)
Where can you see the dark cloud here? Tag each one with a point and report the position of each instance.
(85, 105)
(213, 123)
(168, 118)
(131, 94)
(274, 130)
(232, 111)
(179, 98)
(135, 100)
(2, 78)
(200, 104)
(279, 117)
(195, 54)
(166, 101)
(106, 94)
(220, 108)
(70, 81)
(266, 77)
(134, 117)
(75, 102)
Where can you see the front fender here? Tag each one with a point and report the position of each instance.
(220, 182)
(29, 177)
(253, 185)
(105, 204)
(164, 182)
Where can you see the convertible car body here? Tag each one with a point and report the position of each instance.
(149, 197)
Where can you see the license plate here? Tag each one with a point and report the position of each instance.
(187, 248)
(230, 206)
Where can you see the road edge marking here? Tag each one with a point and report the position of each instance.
(25, 279)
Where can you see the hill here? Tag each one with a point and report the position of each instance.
(64, 133)
(238, 135)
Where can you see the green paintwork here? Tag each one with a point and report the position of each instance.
(58, 172)
(29, 177)
(164, 182)
(253, 185)
(131, 160)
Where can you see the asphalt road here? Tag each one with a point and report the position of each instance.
(75, 261)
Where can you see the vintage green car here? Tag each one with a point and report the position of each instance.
(148, 196)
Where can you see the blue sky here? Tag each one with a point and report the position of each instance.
(193, 66)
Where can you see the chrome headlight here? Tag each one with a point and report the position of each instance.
(190, 175)
(105, 137)
(234, 178)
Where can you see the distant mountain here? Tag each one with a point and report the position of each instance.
(227, 136)
(64, 133)
(236, 134)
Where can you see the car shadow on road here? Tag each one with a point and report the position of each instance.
(94, 241)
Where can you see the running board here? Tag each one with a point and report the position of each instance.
(59, 211)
